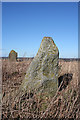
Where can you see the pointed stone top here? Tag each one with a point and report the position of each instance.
(12, 51)
(47, 37)
(47, 46)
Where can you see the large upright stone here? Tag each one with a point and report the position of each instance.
(13, 56)
(42, 74)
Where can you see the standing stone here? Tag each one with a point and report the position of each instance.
(42, 75)
(13, 56)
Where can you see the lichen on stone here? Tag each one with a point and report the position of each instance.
(13, 55)
(42, 74)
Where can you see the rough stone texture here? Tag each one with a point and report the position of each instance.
(42, 74)
(13, 56)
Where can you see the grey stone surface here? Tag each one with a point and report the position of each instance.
(42, 74)
(13, 56)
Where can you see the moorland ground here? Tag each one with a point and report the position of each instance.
(65, 104)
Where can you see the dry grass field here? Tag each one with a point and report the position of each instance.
(65, 104)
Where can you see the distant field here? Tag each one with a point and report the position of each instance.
(27, 58)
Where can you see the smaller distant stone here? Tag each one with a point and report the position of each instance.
(13, 56)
